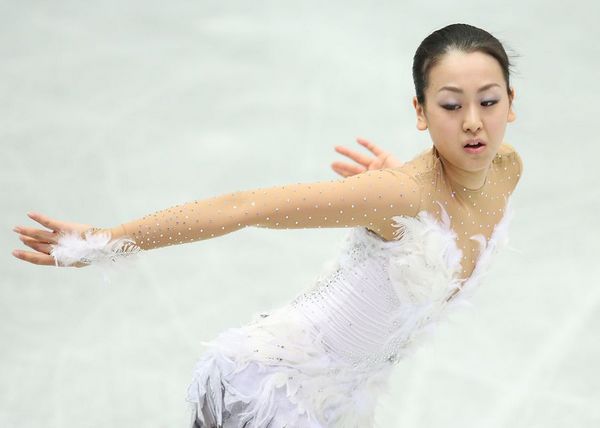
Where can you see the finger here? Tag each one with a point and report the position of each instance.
(35, 258)
(379, 162)
(40, 235)
(46, 221)
(346, 169)
(340, 171)
(355, 156)
(36, 245)
(372, 147)
(27, 232)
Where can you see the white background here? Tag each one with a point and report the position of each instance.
(111, 110)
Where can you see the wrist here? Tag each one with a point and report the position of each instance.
(94, 245)
(116, 232)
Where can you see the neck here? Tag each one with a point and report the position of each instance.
(462, 179)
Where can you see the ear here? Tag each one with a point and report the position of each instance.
(421, 118)
(511, 114)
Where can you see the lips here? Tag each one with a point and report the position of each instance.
(477, 142)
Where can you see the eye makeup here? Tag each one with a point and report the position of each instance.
(451, 107)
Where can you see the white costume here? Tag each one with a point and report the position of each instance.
(418, 246)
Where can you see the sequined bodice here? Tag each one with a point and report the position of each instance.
(381, 296)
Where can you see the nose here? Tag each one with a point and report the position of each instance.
(472, 121)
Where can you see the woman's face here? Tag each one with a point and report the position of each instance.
(468, 111)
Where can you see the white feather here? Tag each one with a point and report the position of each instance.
(92, 249)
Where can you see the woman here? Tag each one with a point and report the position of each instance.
(422, 236)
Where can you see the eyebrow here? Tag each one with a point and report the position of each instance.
(455, 89)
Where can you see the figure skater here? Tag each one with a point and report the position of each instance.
(420, 239)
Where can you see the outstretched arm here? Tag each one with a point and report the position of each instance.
(369, 199)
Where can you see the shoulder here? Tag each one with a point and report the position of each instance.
(508, 163)
(413, 177)
(509, 157)
(506, 151)
(418, 169)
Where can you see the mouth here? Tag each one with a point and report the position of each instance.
(475, 143)
(474, 146)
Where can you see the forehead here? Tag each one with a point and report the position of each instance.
(466, 70)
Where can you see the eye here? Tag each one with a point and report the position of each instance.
(451, 107)
(490, 101)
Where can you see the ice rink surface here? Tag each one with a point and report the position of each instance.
(115, 109)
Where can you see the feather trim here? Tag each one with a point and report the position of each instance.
(73, 249)
(425, 267)
(299, 384)
(499, 239)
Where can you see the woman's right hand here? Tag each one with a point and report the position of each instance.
(43, 240)
(381, 160)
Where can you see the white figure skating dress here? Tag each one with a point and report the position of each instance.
(324, 359)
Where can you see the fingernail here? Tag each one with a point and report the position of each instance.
(16, 229)
(15, 253)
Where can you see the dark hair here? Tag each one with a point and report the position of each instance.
(462, 37)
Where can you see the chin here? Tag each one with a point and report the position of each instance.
(470, 163)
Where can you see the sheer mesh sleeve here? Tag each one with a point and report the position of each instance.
(369, 199)
(513, 165)
(519, 162)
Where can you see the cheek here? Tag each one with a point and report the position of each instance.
(445, 126)
(498, 118)
(444, 132)
(497, 122)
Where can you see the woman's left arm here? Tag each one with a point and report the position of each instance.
(369, 199)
